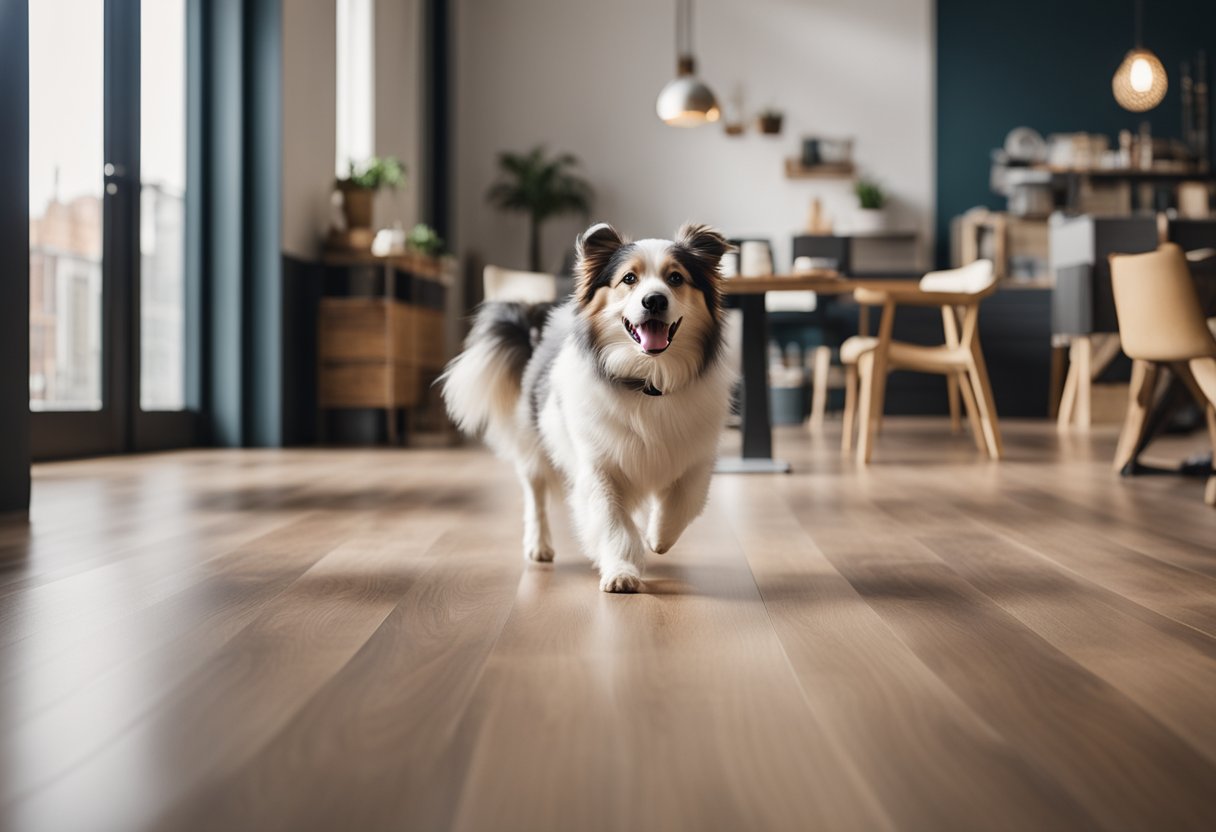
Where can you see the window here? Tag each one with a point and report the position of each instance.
(66, 72)
(162, 218)
(356, 83)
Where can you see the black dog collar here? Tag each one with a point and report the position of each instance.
(641, 384)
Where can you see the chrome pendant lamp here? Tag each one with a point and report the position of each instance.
(686, 102)
(1140, 81)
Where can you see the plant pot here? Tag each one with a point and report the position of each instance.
(770, 125)
(869, 221)
(358, 206)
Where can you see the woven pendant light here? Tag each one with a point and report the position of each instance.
(1140, 81)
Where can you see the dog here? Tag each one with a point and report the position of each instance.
(619, 395)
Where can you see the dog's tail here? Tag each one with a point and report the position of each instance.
(481, 386)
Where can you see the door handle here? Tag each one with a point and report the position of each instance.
(114, 174)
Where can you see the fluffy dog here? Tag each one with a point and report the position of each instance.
(620, 393)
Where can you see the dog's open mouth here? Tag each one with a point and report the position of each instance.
(652, 335)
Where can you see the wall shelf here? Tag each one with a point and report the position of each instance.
(794, 169)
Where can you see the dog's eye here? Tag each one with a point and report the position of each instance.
(629, 279)
(675, 279)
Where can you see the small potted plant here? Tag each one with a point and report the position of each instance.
(770, 121)
(423, 239)
(871, 216)
(362, 182)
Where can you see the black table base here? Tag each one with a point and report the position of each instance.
(756, 425)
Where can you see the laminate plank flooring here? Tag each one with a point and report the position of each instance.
(349, 639)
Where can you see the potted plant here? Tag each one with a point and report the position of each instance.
(360, 185)
(871, 213)
(770, 121)
(423, 239)
(541, 187)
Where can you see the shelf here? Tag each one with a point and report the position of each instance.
(864, 235)
(1162, 172)
(794, 169)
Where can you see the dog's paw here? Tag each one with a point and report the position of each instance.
(620, 581)
(539, 553)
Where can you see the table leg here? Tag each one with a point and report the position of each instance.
(757, 425)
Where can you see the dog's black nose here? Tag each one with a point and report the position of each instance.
(655, 302)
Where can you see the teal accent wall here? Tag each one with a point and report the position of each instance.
(1046, 64)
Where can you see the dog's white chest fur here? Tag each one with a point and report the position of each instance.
(649, 442)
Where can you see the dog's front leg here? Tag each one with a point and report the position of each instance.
(676, 506)
(537, 545)
(608, 532)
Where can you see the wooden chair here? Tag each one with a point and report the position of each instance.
(1162, 327)
(524, 287)
(868, 360)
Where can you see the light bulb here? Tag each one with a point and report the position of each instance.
(1140, 82)
(1141, 75)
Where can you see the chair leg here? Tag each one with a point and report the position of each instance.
(819, 381)
(1139, 403)
(850, 408)
(973, 415)
(1068, 398)
(865, 389)
(1085, 382)
(1055, 387)
(1209, 491)
(873, 389)
(987, 408)
(956, 422)
(1202, 374)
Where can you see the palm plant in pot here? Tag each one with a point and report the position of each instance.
(361, 184)
(871, 215)
(543, 188)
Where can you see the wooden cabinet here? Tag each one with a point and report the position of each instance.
(381, 338)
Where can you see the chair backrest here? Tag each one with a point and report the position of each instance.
(524, 287)
(1160, 317)
(971, 279)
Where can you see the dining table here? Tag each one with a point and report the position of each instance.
(747, 294)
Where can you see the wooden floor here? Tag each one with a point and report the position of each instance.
(350, 640)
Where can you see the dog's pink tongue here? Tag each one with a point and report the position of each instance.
(653, 335)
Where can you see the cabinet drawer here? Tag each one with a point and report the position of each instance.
(431, 354)
(352, 328)
(367, 384)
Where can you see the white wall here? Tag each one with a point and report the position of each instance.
(309, 133)
(310, 112)
(399, 66)
(582, 76)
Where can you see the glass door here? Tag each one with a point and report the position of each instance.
(109, 315)
(67, 202)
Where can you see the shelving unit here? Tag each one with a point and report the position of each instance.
(794, 169)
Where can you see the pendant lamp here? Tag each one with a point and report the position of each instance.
(685, 101)
(1140, 82)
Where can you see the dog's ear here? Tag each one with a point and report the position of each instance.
(706, 244)
(595, 248)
